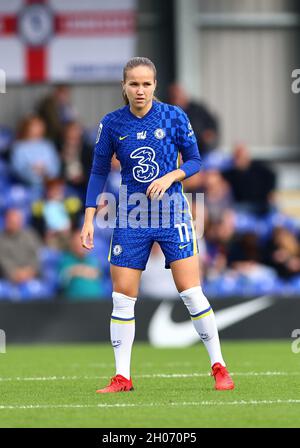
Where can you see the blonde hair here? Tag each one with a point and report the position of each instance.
(136, 62)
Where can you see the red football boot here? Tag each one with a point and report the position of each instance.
(222, 377)
(117, 384)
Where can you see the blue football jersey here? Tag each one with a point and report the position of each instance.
(147, 147)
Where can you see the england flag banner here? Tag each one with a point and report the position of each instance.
(66, 40)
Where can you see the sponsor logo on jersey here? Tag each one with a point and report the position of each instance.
(147, 168)
(122, 138)
(99, 133)
(141, 135)
(159, 133)
(117, 250)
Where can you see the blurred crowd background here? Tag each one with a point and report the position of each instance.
(246, 125)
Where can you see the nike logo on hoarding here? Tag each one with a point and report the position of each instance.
(164, 332)
(122, 138)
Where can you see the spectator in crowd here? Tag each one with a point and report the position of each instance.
(34, 158)
(283, 253)
(204, 124)
(56, 215)
(217, 194)
(19, 248)
(244, 251)
(194, 184)
(56, 110)
(245, 260)
(76, 157)
(79, 271)
(219, 235)
(252, 182)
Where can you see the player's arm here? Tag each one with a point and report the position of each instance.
(100, 169)
(191, 166)
(188, 147)
(191, 160)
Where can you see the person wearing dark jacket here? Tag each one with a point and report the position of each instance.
(204, 123)
(251, 181)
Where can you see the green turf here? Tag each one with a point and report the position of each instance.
(163, 402)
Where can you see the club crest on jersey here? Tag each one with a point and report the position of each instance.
(147, 168)
(159, 133)
(141, 135)
(117, 250)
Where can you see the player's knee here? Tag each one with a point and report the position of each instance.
(123, 305)
(194, 300)
(127, 290)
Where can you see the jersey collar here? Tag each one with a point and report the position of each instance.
(148, 114)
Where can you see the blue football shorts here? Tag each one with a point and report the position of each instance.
(131, 247)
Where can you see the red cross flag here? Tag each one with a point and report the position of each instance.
(66, 40)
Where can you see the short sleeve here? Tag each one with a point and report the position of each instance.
(185, 134)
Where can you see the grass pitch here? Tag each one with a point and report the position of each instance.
(54, 386)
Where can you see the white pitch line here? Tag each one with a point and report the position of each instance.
(51, 378)
(145, 364)
(154, 375)
(191, 375)
(132, 405)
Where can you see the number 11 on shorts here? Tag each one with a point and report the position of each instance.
(184, 226)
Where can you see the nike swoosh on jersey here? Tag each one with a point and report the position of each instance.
(164, 332)
(122, 138)
(183, 246)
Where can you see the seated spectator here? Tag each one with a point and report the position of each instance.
(56, 110)
(194, 184)
(76, 158)
(204, 124)
(246, 263)
(251, 181)
(283, 253)
(19, 248)
(34, 159)
(54, 216)
(80, 275)
(219, 235)
(244, 251)
(217, 194)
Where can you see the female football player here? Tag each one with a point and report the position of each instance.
(147, 137)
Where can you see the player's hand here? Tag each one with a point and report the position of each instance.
(87, 236)
(159, 186)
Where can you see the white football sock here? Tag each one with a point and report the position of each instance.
(204, 321)
(122, 329)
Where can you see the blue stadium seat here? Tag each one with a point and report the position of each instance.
(6, 138)
(37, 290)
(217, 160)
